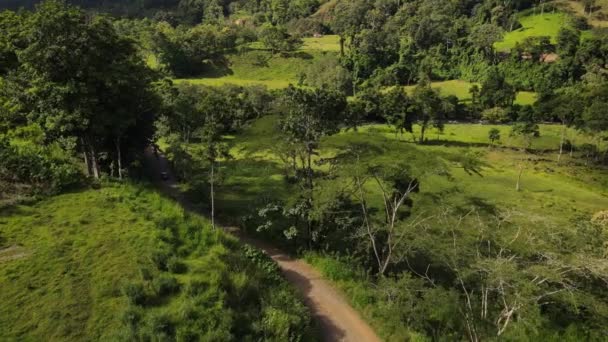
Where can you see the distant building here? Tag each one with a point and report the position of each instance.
(549, 57)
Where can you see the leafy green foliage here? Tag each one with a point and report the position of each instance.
(277, 40)
(190, 51)
(29, 166)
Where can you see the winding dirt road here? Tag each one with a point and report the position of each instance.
(337, 319)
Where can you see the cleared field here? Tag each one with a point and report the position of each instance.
(257, 66)
(329, 43)
(256, 173)
(460, 89)
(597, 18)
(270, 84)
(547, 24)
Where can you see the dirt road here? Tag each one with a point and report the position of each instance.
(337, 319)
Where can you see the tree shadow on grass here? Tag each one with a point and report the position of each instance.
(248, 185)
(331, 332)
(216, 69)
(482, 205)
(300, 55)
(453, 143)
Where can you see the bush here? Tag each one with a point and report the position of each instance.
(187, 334)
(136, 293)
(161, 259)
(495, 115)
(579, 23)
(264, 262)
(132, 317)
(165, 285)
(175, 265)
(160, 325)
(196, 287)
(44, 169)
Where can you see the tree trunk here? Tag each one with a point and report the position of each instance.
(542, 7)
(341, 46)
(118, 157)
(521, 171)
(212, 181)
(309, 176)
(85, 155)
(571, 149)
(561, 144)
(422, 130)
(94, 162)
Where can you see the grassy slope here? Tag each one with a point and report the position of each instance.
(256, 66)
(256, 173)
(597, 18)
(552, 195)
(460, 89)
(82, 248)
(547, 24)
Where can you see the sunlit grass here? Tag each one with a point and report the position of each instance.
(460, 89)
(546, 24)
(325, 43)
(256, 173)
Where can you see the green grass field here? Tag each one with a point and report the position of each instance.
(86, 266)
(552, 197)
(255, 174)
(329, 43)
(257, 66)
(460, 89)
(547, 24)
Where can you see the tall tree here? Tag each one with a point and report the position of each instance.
(307, 116)
(396, 108)
(78, 78)
(431, 110)
(496, 91)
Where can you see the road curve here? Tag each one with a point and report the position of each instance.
(337, 319)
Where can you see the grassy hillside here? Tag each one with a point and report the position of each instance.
(257, 66)
(552, 196)
(597, 17)
(547, 24)
(124, 263)
(460, 89)
(255, 168)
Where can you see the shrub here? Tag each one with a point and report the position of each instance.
(495, 115)
(175, 265)
(196, 287)
(160, 326)
(132, 317)
(146, 273)
(187, 334)
(264, 262)
(136, 293)
(165, 285)
(161, 259)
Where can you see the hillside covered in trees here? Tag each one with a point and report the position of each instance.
(444, 164)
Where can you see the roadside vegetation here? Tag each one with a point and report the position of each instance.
(124, 263)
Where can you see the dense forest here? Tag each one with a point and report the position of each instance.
(443, 163)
